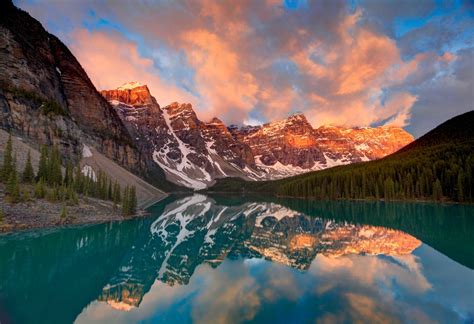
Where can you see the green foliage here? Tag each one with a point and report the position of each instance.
(54, 175)
(48, 106)
(2, 215)
(68, 174)
(437, 190)
(133, 200)
(28, 175)
(126, 202)
(43, 170)
(25, 192)
(51, 185)
(129, 201)
(40, 189)
(51, 107)
(7, 166)
(13, 187)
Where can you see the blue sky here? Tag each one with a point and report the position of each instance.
(352, 63)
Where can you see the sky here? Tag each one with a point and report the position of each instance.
(350, 63)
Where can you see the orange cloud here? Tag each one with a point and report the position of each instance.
(110, 61)
(225, 88)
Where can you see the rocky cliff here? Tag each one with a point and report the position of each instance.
(293, 146)
(46, 96)
(191, 152)
(194, 153)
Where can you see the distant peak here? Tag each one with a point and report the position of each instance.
(216, 120)
(297, 116)
(176, 107)
(130, 85)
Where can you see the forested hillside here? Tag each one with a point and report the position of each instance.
(437, 166)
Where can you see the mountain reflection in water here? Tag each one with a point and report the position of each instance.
(200, 249)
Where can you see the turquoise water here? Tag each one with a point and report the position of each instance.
(236, 259)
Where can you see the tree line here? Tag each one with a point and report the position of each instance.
(431, 174)
(55, 185)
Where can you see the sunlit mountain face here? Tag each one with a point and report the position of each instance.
(219, 259)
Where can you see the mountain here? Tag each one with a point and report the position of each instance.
(292, 146)
(437, 166)
(194, 153)
(46, 98)
(191, 152)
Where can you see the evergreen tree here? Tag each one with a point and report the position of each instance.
(40, 190)
(13, 187)
(437, 190)
(68, 174)
(2, 215)
(460, 186)
(133, 200)
(126, 201)
(54, 167)
(26, 194)
(7, 166)
(43, 164)
(28, 173)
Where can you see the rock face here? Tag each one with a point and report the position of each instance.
(191, 152)
(46, 96)
(292, 146)
(194, 153)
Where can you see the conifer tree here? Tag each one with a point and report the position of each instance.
(460, 186)
(28, 173)
(126, 201)
(26, 194)
(13, 187)
(68, 174)
(437, 190)
(7, 165)
(43, 164)
(54, 167)
(132, 200)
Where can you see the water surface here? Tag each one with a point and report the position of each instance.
(234, 259)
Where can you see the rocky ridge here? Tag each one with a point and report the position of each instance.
(194, 153)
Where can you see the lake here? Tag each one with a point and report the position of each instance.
(238, 259)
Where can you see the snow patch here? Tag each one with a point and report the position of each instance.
(130, 85)
(86, 151)
(88, 171)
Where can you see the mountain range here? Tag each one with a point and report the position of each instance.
(437, 166)
(194, 153)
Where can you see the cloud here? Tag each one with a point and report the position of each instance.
(225, 89)
(110, 61)
(356, 66)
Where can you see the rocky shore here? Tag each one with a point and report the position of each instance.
(40, 213)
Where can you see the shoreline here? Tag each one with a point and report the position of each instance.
(41, 214)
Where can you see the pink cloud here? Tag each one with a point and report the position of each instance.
(110, 61)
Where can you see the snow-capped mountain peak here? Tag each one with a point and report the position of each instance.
(193, 153)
